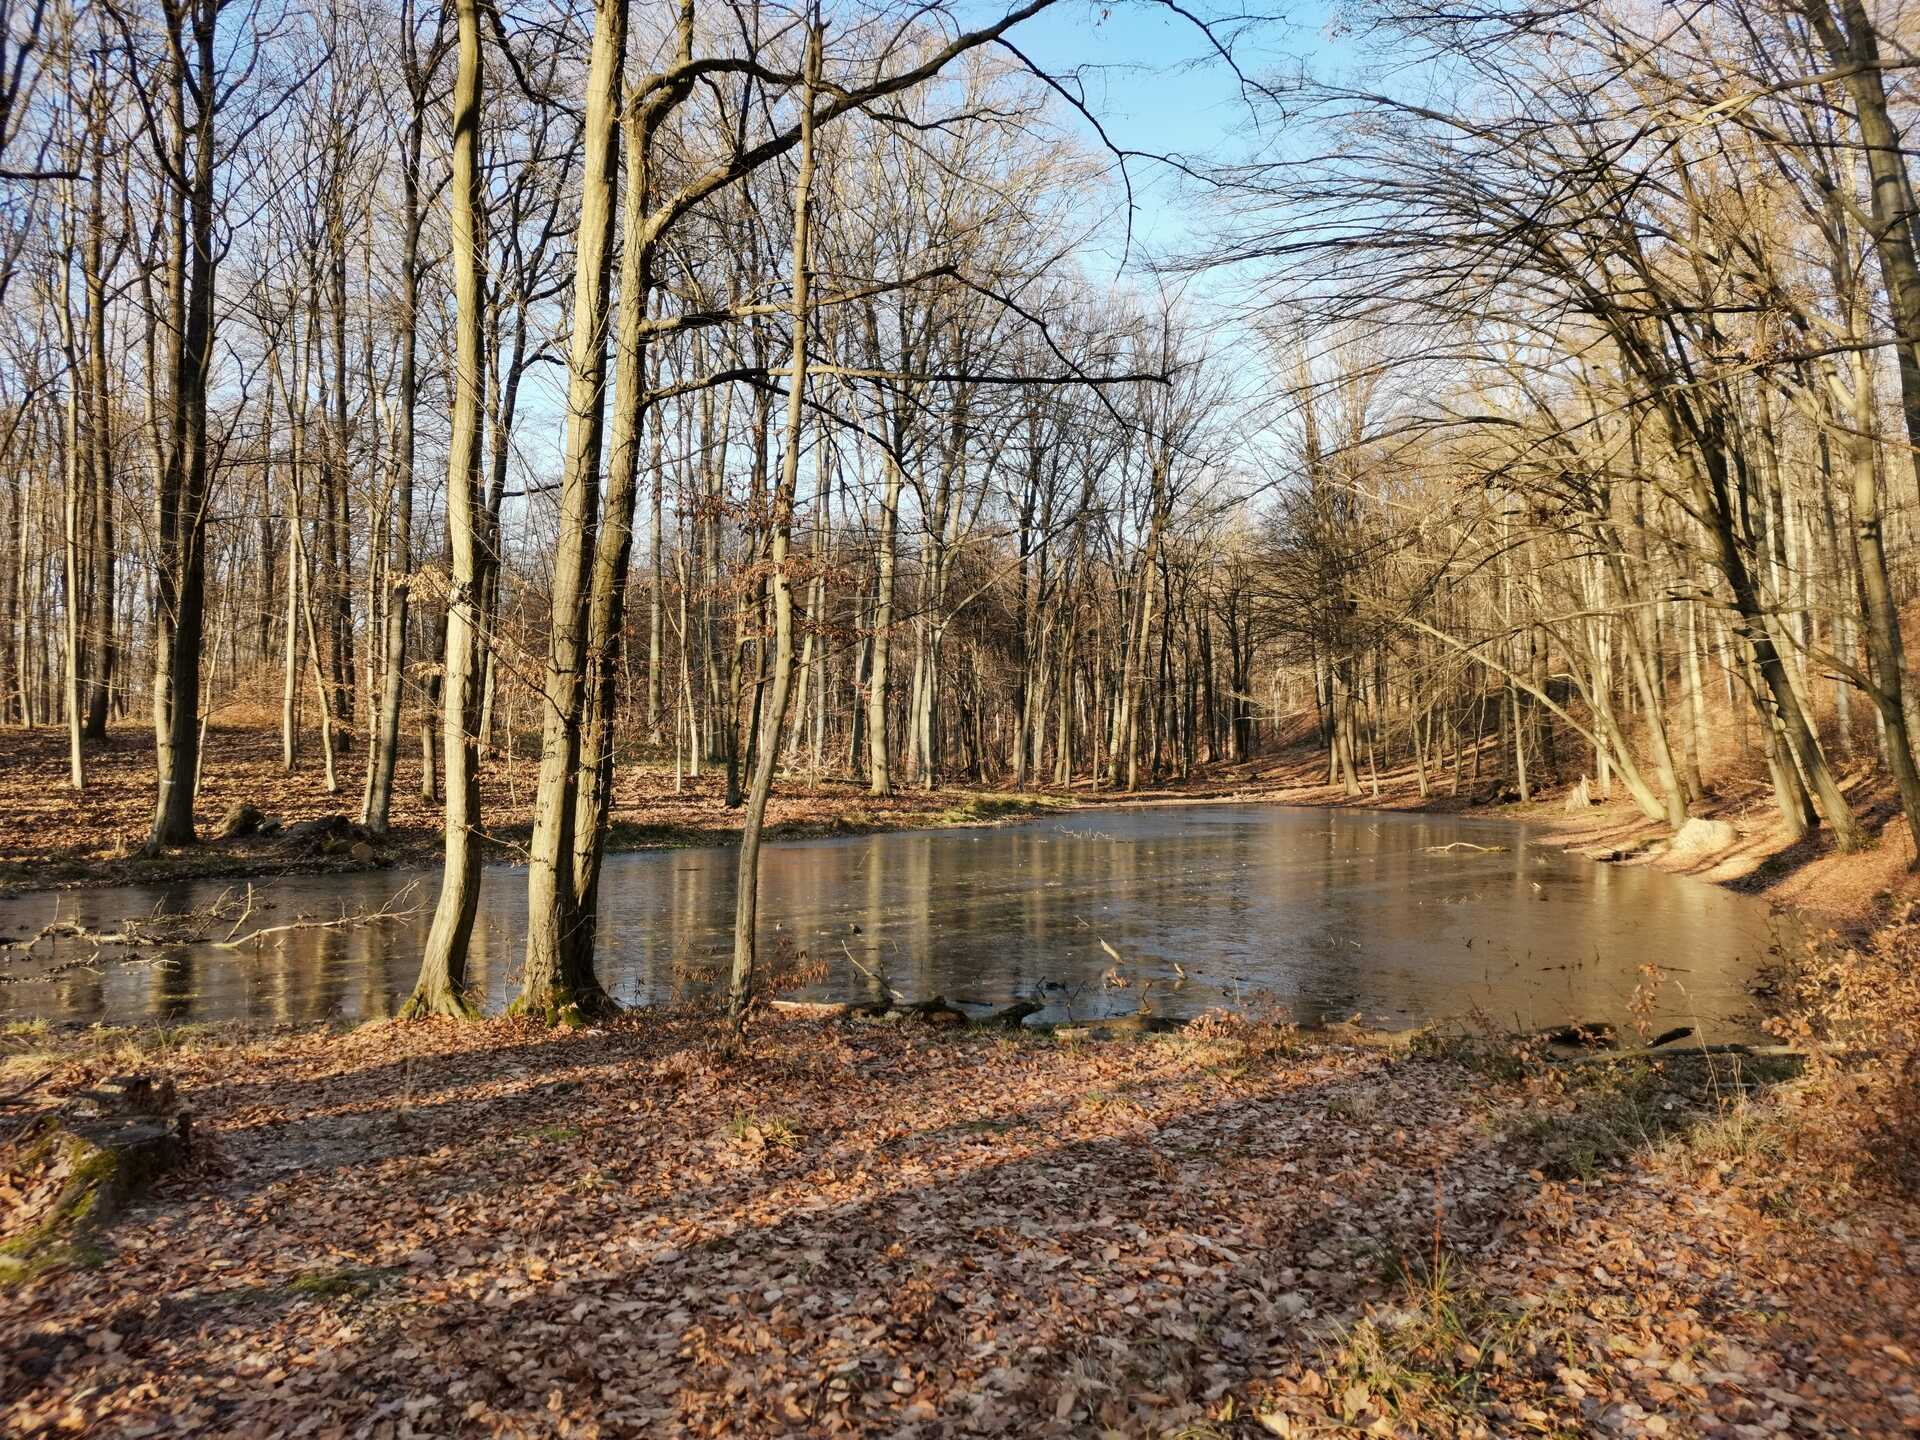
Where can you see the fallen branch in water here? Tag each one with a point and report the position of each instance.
(184, 927)
(192, 927)
(74, 930)
(936, 1011)
(343, 920)
(1466, 845)
(898, 997)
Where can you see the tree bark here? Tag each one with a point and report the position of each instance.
(773, 712)
(442, 985)
(553, 988)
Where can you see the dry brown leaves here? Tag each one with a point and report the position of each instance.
(54, 836)
(867, 1230)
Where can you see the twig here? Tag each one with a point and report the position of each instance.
(363, 917)
(14, 1097)
(870, 975)
(244, 913)
(73, 929)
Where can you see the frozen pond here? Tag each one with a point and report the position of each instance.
(1331, 913)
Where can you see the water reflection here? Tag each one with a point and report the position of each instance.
(1330, 913)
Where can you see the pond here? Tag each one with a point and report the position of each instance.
(1330, 913)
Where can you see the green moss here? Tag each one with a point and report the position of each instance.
(425, 1004)
(344, 1282)
(20, 1265)
(977, 809)
(565, 1007)
(96, 1186)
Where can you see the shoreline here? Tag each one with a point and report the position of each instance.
(1854, 894)
(1517, 831)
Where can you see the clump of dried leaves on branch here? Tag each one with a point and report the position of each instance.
(868, 1229)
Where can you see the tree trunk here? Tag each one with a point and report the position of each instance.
(552, 987)
(182, 495)
(442, 985)
(773, 712)
(385, 750)
(879, 774)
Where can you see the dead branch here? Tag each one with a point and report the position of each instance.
(344, 920)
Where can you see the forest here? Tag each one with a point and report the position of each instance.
(486, 439)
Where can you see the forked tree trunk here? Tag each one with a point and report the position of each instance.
(613, 553)
(553, 987)
(442, 986)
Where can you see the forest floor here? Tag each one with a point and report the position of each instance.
(886, 1229)
(867, 1228)
(53, 838)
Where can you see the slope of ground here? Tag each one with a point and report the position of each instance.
(864, 1229)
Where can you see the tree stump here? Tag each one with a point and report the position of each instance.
(71, 1174)
(241, 820)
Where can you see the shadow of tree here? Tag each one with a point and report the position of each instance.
(849, 1231)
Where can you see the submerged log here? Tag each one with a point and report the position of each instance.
(1727, 1050)
(934, 1012)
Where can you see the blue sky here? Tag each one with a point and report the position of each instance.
(1156, 85)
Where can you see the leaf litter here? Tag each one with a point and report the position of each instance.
(862, 1229)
